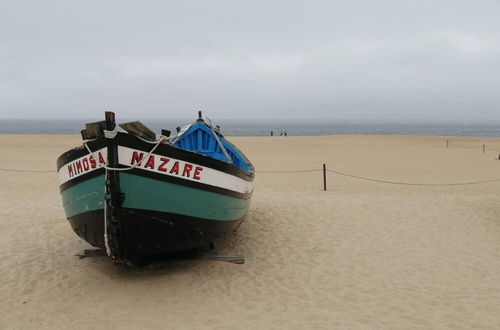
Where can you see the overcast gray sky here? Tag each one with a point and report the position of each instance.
(418, 60)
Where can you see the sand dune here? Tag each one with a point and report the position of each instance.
(362, 255)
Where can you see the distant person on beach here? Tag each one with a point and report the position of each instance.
(272, 133)
(281, 133)
(286, 133)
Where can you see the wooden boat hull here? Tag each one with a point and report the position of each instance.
(150, 233)
(173, 200)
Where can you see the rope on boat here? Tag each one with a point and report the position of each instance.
(157, 143)
(111, 134)
(106, 240)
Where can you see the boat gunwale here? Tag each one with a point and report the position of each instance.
(128, 140)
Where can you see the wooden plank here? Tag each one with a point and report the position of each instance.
(139, 129)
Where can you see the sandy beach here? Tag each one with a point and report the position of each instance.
(361, 255)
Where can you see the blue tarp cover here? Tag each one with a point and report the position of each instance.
(200, 138)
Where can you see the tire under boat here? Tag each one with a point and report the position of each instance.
(155, 203)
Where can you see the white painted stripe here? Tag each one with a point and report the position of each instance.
(82, 165)
(194, 172)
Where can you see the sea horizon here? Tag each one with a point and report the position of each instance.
(262, 127)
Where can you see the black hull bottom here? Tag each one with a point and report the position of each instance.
(151, 233)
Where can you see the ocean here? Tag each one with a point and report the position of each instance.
(264, 128)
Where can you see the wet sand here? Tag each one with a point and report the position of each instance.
(362, 255)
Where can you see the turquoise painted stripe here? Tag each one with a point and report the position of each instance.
(150, 194)
(84, 197)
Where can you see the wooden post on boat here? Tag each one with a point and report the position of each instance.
(324, 177)
(113, 237)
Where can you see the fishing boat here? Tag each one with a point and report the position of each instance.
(135, 193)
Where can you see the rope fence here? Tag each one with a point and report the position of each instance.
(496, 150)
(26, 171)
(350, 175)
(297, 171)
(464, 147)
(384, 181)
(483, 146)
(411, 183)
(324, 177)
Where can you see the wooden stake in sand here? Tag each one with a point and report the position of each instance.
(324, 177)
